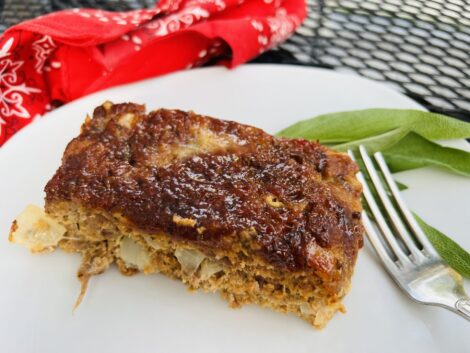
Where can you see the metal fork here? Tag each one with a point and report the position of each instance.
(404, 249)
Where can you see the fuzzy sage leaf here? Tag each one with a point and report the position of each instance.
(359, 124)
(375, 143)
(414, 151)
(457, 257)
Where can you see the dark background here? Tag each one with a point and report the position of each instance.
(419, 47)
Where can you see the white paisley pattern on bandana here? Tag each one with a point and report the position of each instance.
(12, 90)
(276, 29)
(219, 4)
(135, 17)
(43, 48)
(281, 26)
(180, 20)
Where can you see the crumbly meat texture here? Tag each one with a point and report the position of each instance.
(281, 217)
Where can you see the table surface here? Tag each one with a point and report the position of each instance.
(420, 47)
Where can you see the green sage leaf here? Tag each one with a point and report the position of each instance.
(359, 124)
(375, 143)
(456, 256)
(401, 186)
(414, 151)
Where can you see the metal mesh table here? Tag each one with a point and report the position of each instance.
(420, 47)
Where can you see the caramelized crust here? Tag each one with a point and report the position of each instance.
(214, 183)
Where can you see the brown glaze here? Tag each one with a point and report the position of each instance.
(206, 180)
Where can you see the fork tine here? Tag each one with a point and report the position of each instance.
(389, 207)
(380, 220)
(377, 244)
(423, 239)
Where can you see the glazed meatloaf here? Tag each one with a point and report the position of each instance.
(219, 205)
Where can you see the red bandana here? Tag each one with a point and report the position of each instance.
(64, 55)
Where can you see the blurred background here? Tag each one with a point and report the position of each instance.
(420, 47)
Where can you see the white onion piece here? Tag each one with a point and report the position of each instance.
(133, 254)
(209, 268)
(189, 259)
(305, 309)
(36, 230)
(157, 245)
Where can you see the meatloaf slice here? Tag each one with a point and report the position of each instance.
(219, 205)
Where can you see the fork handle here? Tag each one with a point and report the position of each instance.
(463, 307)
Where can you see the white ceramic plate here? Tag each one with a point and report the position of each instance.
(156, 314)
